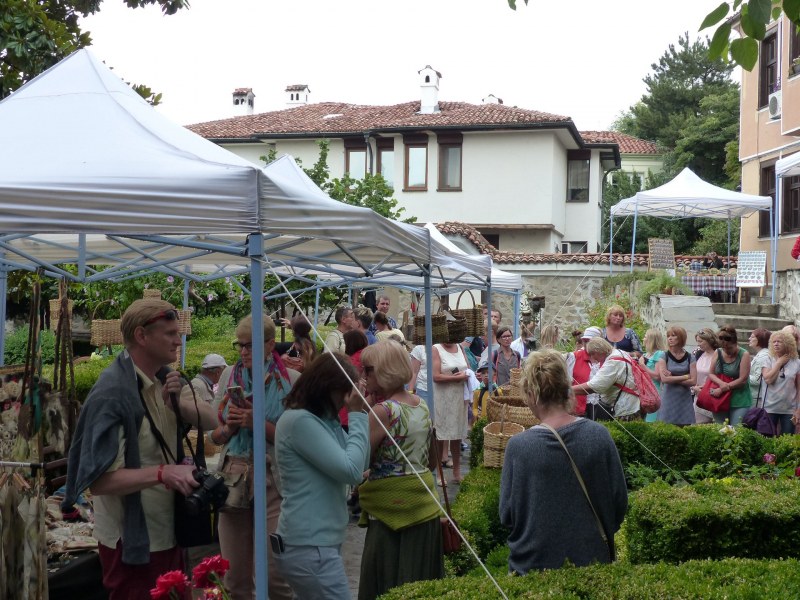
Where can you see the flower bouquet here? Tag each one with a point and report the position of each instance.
(206, 576)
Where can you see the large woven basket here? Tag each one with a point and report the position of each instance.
(495, 439)
(456, 330)
(511, 408)
(55, 312)
(209, 448)
(473, 318)
(151, 293)
(516, 376)
(438, 329)
(185, 322)
(106, 332)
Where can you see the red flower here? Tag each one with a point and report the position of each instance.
(166, 584)
(209, 572)
(797, 472)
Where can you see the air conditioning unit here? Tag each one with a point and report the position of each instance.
(775, 105)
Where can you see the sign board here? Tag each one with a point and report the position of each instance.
(751, 269)
(662, 253)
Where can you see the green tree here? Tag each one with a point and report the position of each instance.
(36, 34)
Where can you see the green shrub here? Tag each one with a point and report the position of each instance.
(476, 443)
(756, 518)
(730, 579)
(218, 328)
(17, 342)
(477, 512)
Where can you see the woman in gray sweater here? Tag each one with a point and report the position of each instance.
(541, 499)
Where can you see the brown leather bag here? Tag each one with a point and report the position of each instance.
(451, 540)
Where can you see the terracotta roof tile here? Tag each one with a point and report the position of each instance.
(627, 143)
(242, 90)
(499, 256)
(339, 118)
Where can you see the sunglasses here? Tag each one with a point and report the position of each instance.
(242, 346)
(725, 338)
(167, 315)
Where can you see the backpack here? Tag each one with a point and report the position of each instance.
(645, 389)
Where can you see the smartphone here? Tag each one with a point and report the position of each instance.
(455, 370)
(276, 542)
(236, 394)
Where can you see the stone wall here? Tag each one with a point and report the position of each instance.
(788, 296)
(567, 298)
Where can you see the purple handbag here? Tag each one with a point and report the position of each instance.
(757, 418)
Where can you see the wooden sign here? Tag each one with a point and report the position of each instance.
(662, 253)
(751, 269)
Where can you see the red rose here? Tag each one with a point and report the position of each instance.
(167, 583)
(797, 472)
(209, 572)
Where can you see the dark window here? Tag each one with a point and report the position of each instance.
(791, 205)
(450, 161)
(493, 239)
(578, 175)
(767, 69)
(386, 159)
(767, 189)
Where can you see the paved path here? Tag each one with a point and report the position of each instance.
(354, 542)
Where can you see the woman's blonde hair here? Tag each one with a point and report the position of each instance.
(709, 336)
(545, 381)
(654, 340)
(615, 309)
(788, 341)
(391, 363)
(549, 337)
(245, 328)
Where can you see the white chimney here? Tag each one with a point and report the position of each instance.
(491, 99)
(297, 95)
(243, 101)
(429, 87)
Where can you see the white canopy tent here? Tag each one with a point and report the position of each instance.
(684, 197)
(93, 175)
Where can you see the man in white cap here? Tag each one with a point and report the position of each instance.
(208, 377)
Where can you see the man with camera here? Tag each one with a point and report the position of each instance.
(124, 450)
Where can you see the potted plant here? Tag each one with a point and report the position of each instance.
(794, 66)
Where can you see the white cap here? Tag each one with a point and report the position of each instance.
(591, 332)
(213, 361)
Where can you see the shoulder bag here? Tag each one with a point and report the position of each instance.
(721, 403)
(451, 539)
(757, 418)
(609, 540)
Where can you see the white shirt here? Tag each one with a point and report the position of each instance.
(611, 372)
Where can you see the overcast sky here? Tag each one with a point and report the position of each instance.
(580, 58)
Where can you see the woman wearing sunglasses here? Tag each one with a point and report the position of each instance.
(734, 362)
(781, 376)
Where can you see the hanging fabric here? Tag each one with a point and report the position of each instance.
(31, 509)
(61, 407)
(30, 414)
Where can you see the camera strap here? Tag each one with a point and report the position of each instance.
(168, 456)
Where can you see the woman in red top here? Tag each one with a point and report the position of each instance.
(796, 249)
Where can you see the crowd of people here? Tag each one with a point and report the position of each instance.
(354, 422)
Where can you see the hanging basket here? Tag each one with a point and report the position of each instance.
(106, 332)
(185, 322)
(55, 312)
(495, 439)
(151, 293)
(438, 329)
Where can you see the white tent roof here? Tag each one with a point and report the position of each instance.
(689, 196)
(789, 166)
(84, 154)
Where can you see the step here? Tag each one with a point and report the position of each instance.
(741, 322)
(750, 310)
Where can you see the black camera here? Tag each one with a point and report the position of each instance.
(211, 493)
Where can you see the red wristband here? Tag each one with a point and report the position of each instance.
(161, 476)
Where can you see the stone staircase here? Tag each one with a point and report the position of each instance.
(746, 317)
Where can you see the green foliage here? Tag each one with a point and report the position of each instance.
(730, 579)
(213, 328)
(476, 442)
(86, 374)
(477, 512)
(660, 284)
(597, 312)
(34, 36)
(714, 519)
(17, 342)
(714, 236)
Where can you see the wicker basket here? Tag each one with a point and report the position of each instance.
(151, 293)
(55, 312)
(106, 332)
(438, 329)
(456, 330)
(473, 318)
(209, 449)
(512, 408)
(516, 376)
(185, 322)
(495, 438)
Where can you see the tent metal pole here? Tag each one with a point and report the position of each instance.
(185, 307)
(255, 250)
(316, 314)
(428, 337)
(81, 255)
(611, 244)
(3, 308)
(633, 239)
(517, 300)
(489, 333)
(774, 212)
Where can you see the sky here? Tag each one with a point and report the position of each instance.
(584, 58)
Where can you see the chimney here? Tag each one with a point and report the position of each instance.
(491, 99)
(243, 101)
(297, 95)
(429, 87)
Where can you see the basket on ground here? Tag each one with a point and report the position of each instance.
(495, 438)
(511, 408)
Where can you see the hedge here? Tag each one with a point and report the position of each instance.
(714, 519)
(730, 579)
